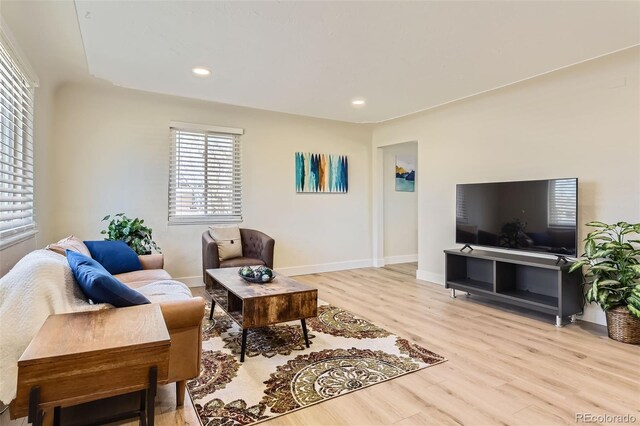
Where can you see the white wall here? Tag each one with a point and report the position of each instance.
(400, 209)
(111, 154)
(582, 121)
(43, 141)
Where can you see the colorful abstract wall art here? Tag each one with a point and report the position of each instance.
(321, 172)
(405, 173)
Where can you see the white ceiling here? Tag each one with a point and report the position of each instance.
(48, 35)
(312, 58)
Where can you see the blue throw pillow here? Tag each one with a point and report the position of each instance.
(99, 285)
(116, 256)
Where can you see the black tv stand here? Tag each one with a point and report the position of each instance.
(535, 283)
(466, 246)
(561, 258)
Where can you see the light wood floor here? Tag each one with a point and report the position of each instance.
(504, 367)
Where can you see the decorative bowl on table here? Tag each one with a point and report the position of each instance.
(256, 274)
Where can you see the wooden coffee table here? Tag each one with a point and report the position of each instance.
(81, 357)
(259, 305)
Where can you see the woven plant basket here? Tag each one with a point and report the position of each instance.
(623, 326)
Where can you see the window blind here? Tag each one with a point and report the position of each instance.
(461, 205)
(562, 202)
(205, 176)
(16, 150)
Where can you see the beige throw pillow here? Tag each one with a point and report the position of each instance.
(70, 243)
(227, 237)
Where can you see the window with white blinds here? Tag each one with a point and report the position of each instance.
(16, 151)
(461, 205)
(205, 175)
(562, 202)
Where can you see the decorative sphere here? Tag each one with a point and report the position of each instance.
(246, 271)
(265, 278)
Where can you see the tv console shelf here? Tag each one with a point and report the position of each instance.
(529, 282)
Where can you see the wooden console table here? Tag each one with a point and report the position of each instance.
(81, 357)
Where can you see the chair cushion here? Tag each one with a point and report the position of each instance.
(143, 275)
(99, 285)
(228, 240)
(70, 243)
(116, 256)
(241, 261)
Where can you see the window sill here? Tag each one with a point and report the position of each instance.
(207, 221)
(204, 222)
(17, 239)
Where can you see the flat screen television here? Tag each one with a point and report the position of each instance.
(533, 216)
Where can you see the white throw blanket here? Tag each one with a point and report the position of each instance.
(39, 285)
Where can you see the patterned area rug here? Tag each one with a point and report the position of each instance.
(280, 374)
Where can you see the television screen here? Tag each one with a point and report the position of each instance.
(536, 216)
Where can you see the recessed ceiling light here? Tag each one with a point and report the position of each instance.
(358, 102)
(201, 71)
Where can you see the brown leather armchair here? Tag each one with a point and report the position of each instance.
(257, 249)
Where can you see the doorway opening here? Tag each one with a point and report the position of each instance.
(399, 233)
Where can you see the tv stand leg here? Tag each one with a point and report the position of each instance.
(558, 321)
(574, 318)
(453, 293)
(562, 259)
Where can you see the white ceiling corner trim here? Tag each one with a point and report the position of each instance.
(313, 58)
(17, 55)
(512, 83)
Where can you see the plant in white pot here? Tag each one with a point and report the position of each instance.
(611, 263)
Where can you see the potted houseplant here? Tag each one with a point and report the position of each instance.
(611, 263)
(131, 231)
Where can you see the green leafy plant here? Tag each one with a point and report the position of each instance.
(131, 231)
(611, 261)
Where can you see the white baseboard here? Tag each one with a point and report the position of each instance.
(405, 258)
(591, 315)
(430, 276)
(378, 263)
(195, 281)
(594, 314)
(325, 267)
